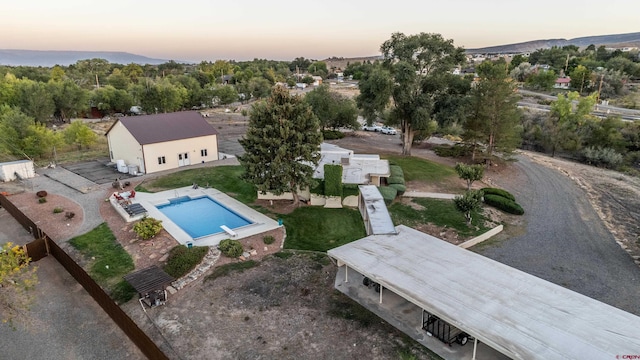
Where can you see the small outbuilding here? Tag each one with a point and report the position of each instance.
(20, 169)
(150, 284)
(160, 142)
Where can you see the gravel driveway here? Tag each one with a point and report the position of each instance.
(565, 241)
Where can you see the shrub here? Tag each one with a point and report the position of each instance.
(605, 157)
(388, 193)
(396, 170)
(333, 180)
(504, 204)
(332, 134)
(231, 248)
(244, 112)
(148, 227)
(499, 192)
(395, 180)
(182, 259)
(42, 200)
(399, 187)
(269, 239)
(452, 151)
(41, 194)
(57, 210)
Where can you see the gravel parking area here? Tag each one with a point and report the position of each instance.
(564, 241)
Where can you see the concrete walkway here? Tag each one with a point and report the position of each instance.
(422, 194)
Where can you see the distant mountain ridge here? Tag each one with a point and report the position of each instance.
(616, 40)
(50, 58)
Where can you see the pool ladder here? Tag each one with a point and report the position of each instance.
(176, 194)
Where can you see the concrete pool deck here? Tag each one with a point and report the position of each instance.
(260, 222)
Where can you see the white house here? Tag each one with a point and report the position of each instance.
(162, 141)
(562, 83)
(356, 168)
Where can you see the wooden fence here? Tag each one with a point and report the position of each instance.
(43, 245)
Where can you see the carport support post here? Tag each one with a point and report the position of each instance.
(475, 347)
(346, 270)
(381, 288)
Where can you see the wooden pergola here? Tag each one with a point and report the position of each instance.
(150, 284)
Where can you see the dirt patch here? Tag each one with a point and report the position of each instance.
(55, 224)
(284, 308)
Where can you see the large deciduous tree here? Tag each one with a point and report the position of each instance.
(564, 120)
(281, 145)
(334, 110)
(411, 65)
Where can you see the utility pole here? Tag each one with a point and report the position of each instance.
(599, 89)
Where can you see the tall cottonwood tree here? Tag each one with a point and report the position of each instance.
(281, 144)
(494, 118)
(412, 63)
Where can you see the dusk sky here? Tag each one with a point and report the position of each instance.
(196, 30)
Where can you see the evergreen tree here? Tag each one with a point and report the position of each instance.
(494, 118)
(281, 144)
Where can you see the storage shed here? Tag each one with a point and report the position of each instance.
(20, 169)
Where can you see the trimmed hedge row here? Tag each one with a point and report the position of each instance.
(332, 134)
(452, 151)
(399, 187)
(499, 192)
(503, 204)
(388, 193)
(396, 170)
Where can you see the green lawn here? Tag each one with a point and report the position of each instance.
(438, 212)
(421, 169)
(111, 262)
(223, 178)
(320, 229)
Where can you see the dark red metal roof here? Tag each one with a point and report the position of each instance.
(157, 128)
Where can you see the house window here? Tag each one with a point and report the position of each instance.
(161, 160)
(203, 152)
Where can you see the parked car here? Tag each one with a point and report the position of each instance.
(388, 130)
(372, 127)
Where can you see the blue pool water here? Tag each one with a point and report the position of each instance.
(201, 216)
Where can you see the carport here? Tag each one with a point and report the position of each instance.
(517, 314)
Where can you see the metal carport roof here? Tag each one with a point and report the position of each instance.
(520, 315)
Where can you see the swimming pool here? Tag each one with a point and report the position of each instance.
(201, 216)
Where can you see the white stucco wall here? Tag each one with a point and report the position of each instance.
(123, 146)
(24, 168)
(171, 149)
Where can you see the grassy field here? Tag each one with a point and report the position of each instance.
(320, 229)
(224, 178)
(438, 212)
(422, 170)
(111, 262)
